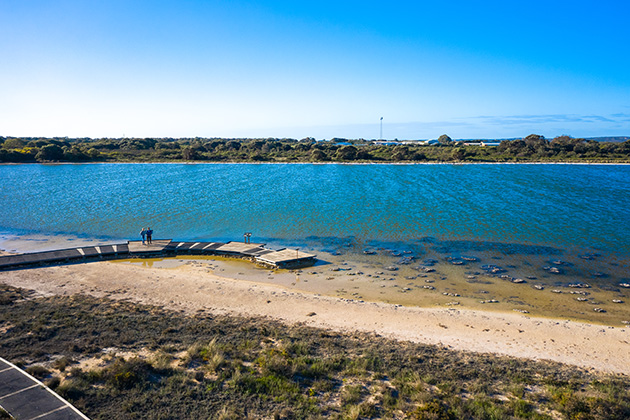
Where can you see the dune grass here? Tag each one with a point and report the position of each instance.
(180, 366)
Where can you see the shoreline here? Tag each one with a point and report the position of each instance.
(203, 162)
(435, 279)
(196, 287)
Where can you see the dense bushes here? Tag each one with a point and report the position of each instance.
(530, 148)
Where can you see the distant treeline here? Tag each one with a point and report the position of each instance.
(533, 148)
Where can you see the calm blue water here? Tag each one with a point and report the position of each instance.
(571, 207)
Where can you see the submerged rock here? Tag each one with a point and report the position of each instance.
(406, 260)
(580, 285)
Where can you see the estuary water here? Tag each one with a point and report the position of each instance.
(572, 207)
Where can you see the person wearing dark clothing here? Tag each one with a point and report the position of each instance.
(149, 235)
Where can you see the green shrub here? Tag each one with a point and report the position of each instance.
(433, 410)
(161, 360)
(53, 382)
(38, 371)
(72, 389)
(124, 374)
(351, 394)
(62, 363)
(520, 408)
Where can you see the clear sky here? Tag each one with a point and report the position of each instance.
(469, 69)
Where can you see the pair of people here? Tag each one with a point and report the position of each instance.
(146, 233)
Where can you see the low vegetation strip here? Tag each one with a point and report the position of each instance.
(532, 148)
(120, 360)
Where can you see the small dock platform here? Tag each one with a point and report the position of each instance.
(257, 253)
(283, 258)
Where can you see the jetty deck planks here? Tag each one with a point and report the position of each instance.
(284, 258)
(158, 245)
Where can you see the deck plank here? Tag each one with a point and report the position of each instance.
(158, 245)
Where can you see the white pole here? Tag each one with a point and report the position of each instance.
(381, 138)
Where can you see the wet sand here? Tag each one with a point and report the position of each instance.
(323, 296)
(379, 278)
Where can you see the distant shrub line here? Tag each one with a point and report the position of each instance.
(533, 148)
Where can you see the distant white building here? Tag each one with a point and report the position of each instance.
(386, 142)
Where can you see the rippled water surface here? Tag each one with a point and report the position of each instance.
(568, 206)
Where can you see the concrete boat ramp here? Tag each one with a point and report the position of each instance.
(257, 253)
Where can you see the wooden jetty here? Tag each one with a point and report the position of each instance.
(257, 253)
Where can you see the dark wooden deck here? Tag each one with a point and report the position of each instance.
(24, 397)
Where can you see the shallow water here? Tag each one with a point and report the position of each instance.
(369, 278)
(520, 217)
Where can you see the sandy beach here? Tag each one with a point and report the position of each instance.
(224, 286)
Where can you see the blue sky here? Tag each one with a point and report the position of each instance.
(84, 68)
